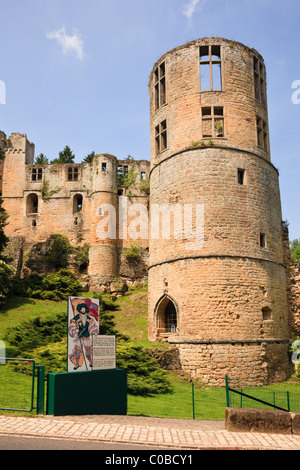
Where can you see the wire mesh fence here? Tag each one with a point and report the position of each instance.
(17, 384)
(282, 396)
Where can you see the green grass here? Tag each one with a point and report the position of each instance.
(210, 402)
(130, 312)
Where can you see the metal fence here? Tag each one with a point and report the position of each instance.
(21, 385)
(283, 396)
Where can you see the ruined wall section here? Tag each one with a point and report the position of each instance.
(72, 200)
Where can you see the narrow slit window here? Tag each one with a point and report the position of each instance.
(241, 176)
(143, 175)
(262, 240)
(103, 167)
(210, 68)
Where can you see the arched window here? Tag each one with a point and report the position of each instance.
(77, 203)
(32, 204)
(166, 314)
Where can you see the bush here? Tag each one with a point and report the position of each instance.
(143, 374)
(58, 250)
(32, 334)
(133, 253)
(6, 273)
(52, 356)
(55, 286)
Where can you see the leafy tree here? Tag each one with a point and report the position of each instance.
(89, 158)
(295, 249)
(66, 156)
(41, 159)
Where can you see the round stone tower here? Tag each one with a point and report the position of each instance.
(217, 278)
(103, 228)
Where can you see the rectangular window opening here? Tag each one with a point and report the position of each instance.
(259, 73)
(262, 240)
(212, 121)
(241, 176)
(210, 68)
(161, 142)
(262, 133)
(160, 86)
(216, 76)
(36, 174)
(73, 173)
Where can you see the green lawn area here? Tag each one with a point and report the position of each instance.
(210, 402)
(130, 312)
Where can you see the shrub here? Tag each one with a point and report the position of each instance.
(133, 253)
(55, 286)
(58, 250)
(6, 274)
(81, 257)
(143, 374)
(31, 334)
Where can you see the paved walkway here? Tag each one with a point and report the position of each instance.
(158, 432)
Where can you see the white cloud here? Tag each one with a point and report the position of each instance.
(190, 7)
(69, 43)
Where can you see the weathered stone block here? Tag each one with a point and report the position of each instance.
(295, 423)
(264, 421)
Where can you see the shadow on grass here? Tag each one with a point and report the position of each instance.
(14, 302)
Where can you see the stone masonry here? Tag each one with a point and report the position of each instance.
(222, 303)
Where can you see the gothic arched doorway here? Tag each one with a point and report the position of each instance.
(166, 316)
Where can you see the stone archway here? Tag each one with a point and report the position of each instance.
(32, 204)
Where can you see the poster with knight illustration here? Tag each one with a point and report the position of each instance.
(83, 324)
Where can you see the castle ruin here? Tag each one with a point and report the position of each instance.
(220, 299)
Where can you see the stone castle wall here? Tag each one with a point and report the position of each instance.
(72, 200)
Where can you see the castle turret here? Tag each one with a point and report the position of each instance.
(217, 279)
(104, 214)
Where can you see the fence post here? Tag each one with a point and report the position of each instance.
(227, 391)
(288, 400)
(193, 398)
(40, 390)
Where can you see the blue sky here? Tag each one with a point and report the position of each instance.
(76, 72)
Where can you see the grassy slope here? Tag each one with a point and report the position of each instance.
(131, 319)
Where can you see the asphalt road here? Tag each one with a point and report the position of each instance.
(34, 443)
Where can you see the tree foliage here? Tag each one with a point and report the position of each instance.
(295, 249)
(6, 271)
(89, 158)
(65, 156)
(55, 286)
(58, 250)
(41, 159)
